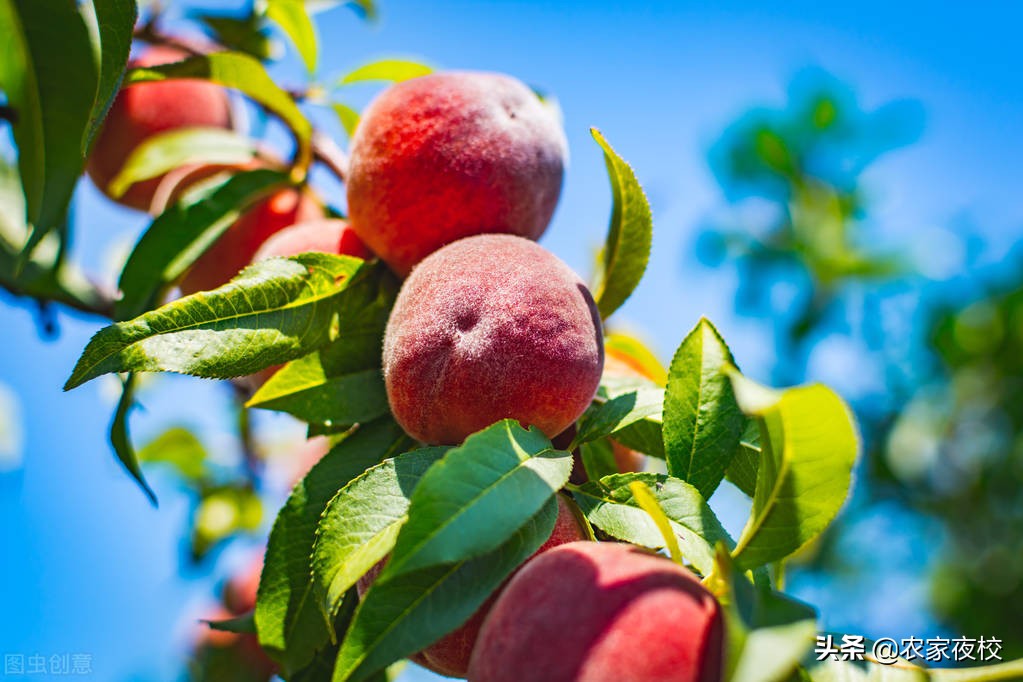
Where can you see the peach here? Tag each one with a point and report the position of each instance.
(487, 328)
(451, 155)
(237, 246)
(601, 612)
(143, 110)
(450, 654)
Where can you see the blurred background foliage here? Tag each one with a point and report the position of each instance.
(947, 442)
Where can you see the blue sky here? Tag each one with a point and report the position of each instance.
(88, 567)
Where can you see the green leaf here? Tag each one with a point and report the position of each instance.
(404, 613)
(1009, 670)
(809, 446)
(768, 634)
(648, 503)
(181, 449)
(388, 70)
(274, 311)
(246, 34)
(341, 384)
(831, 670)
(183, 232)
(120, 439)
(49, 73)
(627, 249)
(360, 524)
(702, 422)
(180, 147)
(293, 17)
(611, 506)
(348, 116)
(244, 624)
(478, 495)
(630, 409)
(115, 21)
(246, 74)
(290, 625)
(742, 472)
(598, 459)
(308, 394)
(42, 276)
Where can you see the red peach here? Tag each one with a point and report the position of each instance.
(487, 328)
(450, 654)
(451, 155)
(143, 110)
(239, 243)
(601, 612)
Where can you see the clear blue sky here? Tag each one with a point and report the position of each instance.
(87, 566)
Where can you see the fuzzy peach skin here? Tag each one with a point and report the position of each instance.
(237, 246)
(601, 612)
(491, 327)
(450, 155)
(143, 110)
(450, 654)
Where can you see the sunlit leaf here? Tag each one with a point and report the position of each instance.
(172, 149)
(627, 249)
(809, 444)
(290, 625)
(120, 439)
(293, 17)
(403, 613)
(274, 311)
(115, 21)
(388, 70)
(246, 74)
(702, 422)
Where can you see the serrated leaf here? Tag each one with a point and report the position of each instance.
(702, 422)
(52, 92)
(120, 439)
(611, 506)
(306, 392)
(246, 74)
(627, 249)
(388, 70)
(115, 21)
(348, 116)
(809, 445)
(290, 625)
(274, 311)
(180, 147)
(341, 384)
(360, 524)
(182, 233)
(742, 472)
(179, 448)
(616, 409)
(475, 498)
(293, 17)
(403, 613)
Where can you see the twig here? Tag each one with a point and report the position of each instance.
(327, 152)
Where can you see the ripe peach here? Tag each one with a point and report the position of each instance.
(487, 328)
(450, 155)
(143, 110)
(450, 654)
(327, 235)
(601, 612)
(237, 246)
